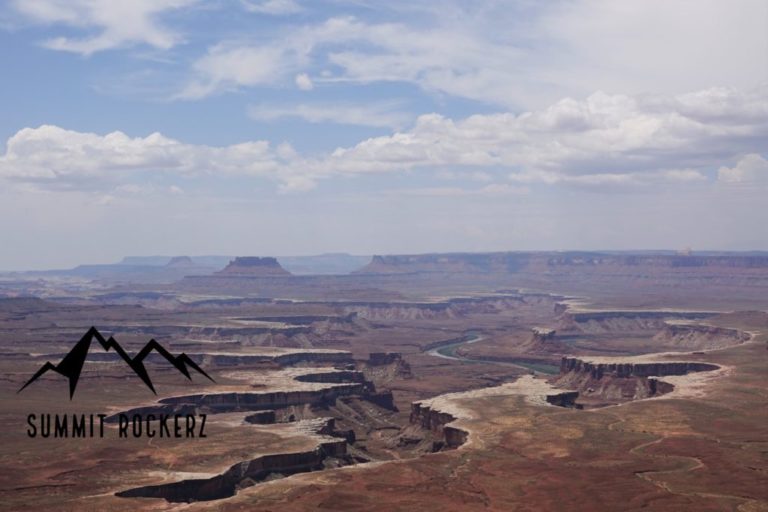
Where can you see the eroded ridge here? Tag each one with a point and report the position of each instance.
(289, 388)
(449, 415)
(329, 452)
(609, 380)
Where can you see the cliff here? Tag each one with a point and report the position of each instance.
(437, 422)
(599, 368)
(342, 383)
(436, 416)
(254, 266)
(607, 380)
(700, 337)
(599, 322)
(507, 262)
(447, 309)
(246, 473)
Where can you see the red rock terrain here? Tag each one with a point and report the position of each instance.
(467, 428)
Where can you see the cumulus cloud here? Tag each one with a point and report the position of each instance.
(58, 157)
(752, 168)
(120, 23)
(600, 136)
(377, 114)
(601, 141)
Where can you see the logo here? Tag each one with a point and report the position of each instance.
(72, 364)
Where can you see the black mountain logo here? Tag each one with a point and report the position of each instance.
(72, 364)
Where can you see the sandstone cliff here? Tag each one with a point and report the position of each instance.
(607, 380)
(329, 452)
(600, 322)
(700, 337)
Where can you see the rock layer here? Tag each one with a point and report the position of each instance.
(610, 381)
(247, 473)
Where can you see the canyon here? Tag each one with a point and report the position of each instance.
(441, 381)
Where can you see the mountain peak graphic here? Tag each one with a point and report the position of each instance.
(72, 364)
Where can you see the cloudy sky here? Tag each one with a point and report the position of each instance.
(276, 127)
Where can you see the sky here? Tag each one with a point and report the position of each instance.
(290, 127)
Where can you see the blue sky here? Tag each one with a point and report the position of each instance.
(290, 127)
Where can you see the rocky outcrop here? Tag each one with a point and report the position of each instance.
(453, 308)
(597, 370)
(543, 334)
(564, 399)
(267, 417)
(606, 381)
(247, 473)
(383, 399)
(342, 383)
(254, 266)
(700, 337)
(340, 376)
(437, 422)
(602, 322)
(383, 367)
(542, 340)
(246, 401)
(454, 437)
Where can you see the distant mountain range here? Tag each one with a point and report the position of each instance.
(167, 269)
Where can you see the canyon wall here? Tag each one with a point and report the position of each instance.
(700, 337)
(599, 369)
(601, 322)
(604, 381)
(246, 473)
(437, 422)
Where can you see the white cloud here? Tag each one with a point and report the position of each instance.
(656, 45)
(273, 7)
(120, 23)
(602, 141)
(378, 114)
(227, 67)
(303, 82)
(232, 65)
(752, 168)
(56, 156)
(600, 136)
(526, 54)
